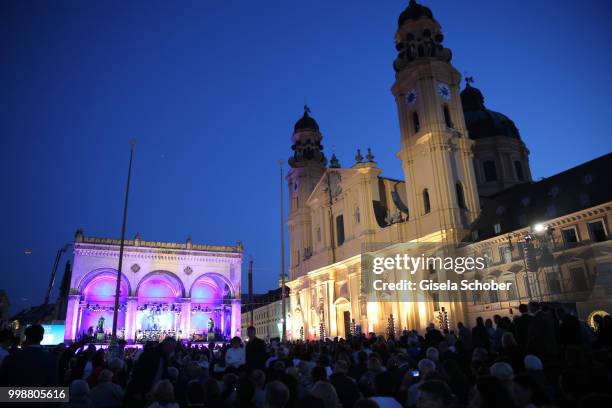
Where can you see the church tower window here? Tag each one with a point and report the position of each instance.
(415, 122)
(447, 117)
(490, 172)
(426, 202)
(460, 196)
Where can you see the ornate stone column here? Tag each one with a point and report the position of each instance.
(72, 317)
(331, 307)
(130, 319)
(235, 322)
(186, 318)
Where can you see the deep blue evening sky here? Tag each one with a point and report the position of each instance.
(211, 90)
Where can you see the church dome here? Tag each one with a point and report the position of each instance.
(482, 122)
(306, 122)
(414, 11)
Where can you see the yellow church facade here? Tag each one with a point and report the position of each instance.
(466, 180)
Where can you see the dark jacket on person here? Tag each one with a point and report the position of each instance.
(31, 366)
(521, 329)
(346, 388)
(256, 354)
(145, 371)
(480, 337)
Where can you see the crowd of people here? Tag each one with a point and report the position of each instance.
(539, 358)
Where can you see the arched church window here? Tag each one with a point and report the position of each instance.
(460, 196)
(415, 122)
(447, 117)
(490, 172)
(426, 202)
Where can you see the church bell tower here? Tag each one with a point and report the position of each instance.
(436, 152)
(308, 164)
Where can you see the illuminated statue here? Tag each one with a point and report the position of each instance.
(211, 329)
(100, 325)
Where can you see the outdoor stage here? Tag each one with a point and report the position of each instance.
(140, 346)
(186, 291)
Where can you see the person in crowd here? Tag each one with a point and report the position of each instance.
(480, 335)
(521, 326)
(490, 392)
(418, 370)
(106, 393)
(426, 371)
(163, 395)
(98, 362)
(569, 329)
(504, 373)
(277, 395)
(195, 395)
(433, 354)
(434, 394)
(149, 369)
(510, 351)
(527, 392)
(84, 363)
(361, 365)
(235, 355)
(258, 377)
(79, 395)
(542, 337)
(229, 384)
(433, 336)
(212, 394)
(32, 365)
(6, 340)
(374, 367)
(346, 387)
(255, 350)
(245, 392)
(458, 381)
(117, 366)
(491, 335)
(326, 392)
(464, 336)
(383, 391)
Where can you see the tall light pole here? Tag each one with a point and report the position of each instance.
(282, 227)
(251, 306)
(125, 208)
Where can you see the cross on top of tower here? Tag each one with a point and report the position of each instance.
(469, 80)
(306, 110)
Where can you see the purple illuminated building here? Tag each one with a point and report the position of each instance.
(190, 291)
